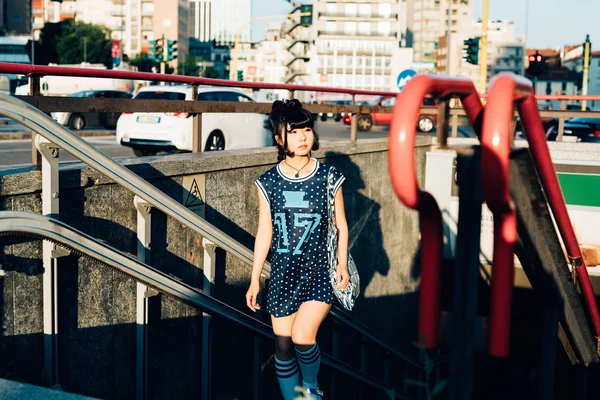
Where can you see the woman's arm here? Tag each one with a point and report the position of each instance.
(342, 226)
(262, 244)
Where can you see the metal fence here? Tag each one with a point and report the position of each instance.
(448, 112)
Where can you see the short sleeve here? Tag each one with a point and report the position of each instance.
(338, 179)
(263, 187)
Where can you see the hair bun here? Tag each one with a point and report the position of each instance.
(278, 106)
(282, 106)
(294, 103)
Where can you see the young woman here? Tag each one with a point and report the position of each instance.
(293, 227)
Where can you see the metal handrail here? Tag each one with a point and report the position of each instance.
(506, 91)
(41, 70)
(40, 123)
(403, 131)
(56, 231)
(79, 148)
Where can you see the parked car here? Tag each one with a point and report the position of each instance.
(336, 116)
(78, 121)
(149, 133)
(579, 129)
(365, 122)
(548, 122)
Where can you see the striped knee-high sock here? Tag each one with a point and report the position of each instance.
(288, 376)
(310, 361)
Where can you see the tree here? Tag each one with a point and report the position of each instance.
(75, 35)
(45, 49)
(143, 63)
(188, 65)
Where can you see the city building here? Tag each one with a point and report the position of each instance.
(428, 20)
(220, 20)
(594, 79)
(212, 55)
(357, 45)
(15, 17)
(507, 57)
(172, 22)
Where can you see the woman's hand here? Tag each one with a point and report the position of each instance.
(252, 295)
(343, 277)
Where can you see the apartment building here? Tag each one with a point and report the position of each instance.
(357, 44)
(220, 20)
(429, 20)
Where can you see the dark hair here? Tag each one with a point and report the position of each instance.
(289, 112)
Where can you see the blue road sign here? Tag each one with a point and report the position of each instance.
(404, 77)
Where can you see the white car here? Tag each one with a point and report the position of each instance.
(149, 133)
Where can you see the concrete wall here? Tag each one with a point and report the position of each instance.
(97, 305)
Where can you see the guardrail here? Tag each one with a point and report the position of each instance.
(196, 108)
(404, 180)
(508, 91)
(38, 226)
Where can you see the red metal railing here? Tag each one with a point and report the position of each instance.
(506, 91)
(401, 158)
(41, 70)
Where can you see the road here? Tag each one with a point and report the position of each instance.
(17, 153)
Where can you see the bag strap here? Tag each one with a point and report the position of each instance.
(330, 197)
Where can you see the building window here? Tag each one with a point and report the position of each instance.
(350, 28)
(364, 28)
(330, 26)
(331, 8)
(364, 10)
(350, 9)
(564, 87)
(385, 10)
(384, 28)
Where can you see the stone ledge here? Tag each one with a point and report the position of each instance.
(27, 180)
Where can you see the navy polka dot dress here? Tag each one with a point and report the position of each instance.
(299, 245)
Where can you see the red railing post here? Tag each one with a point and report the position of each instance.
(401, 159)
(506, 90)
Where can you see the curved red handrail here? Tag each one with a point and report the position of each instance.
(401, 159)
(506, 90)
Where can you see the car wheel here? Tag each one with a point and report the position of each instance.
(338, 119)
(323, 118)
(364, 122)
(77, 122)
(215, 142)
(426, 124)
(143, 153)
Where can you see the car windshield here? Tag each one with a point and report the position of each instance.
(85, 93)
(585, 120)
(159, 95)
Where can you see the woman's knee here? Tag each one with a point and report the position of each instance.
(302, 335)
(284, 348)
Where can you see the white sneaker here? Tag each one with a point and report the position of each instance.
(312, 394)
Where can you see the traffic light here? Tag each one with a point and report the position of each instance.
(240, 75)
(157, 50)
(537, 65)
(306, 20)
(171, 50)
(471, 51)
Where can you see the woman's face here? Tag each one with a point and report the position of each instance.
(300, 141)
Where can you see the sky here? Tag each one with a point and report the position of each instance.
(552, 24)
